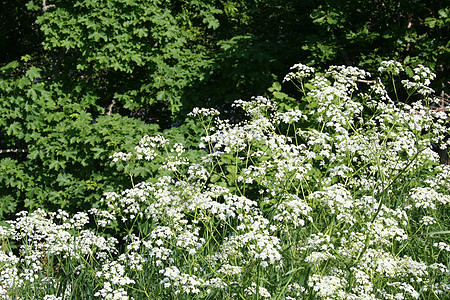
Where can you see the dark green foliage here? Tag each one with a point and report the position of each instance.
(365, 32)
(256, 44)
(54, 152)
(142, 52)
(155, 58)
(18, 33)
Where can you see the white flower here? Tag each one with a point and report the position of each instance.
(425, 197)
(442, 246)
(52, 297)
(301, 71)
(391, 67)
(203, 112)
(327, 286)
(427, 220)
(120, 156)
(252, 290)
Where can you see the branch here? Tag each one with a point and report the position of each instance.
(13, 151)
(45, 6)
(410, 24)
(365, 81)
(110, 107)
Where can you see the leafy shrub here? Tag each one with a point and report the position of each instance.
(341, 198)
(55, 145)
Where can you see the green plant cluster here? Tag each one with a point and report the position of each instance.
(150, 50)
(338, 197)
(55, 153)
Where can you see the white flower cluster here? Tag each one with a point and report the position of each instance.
(45, 238)
(336, 108)
(301, 71)
(9, 273)
(148, 149)
(329, 210)
(421, 80)
(254, 290)
(114, 276)
(293, 211)
(291, 116)
(120, 156)
(339, 200)
(328, 287)
(391, 67)
(203, 112)
(148, 145)
(380, 90)
(425, 197)
(345, 77)
(258, 107)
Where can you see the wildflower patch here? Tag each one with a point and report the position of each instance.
(341, 197)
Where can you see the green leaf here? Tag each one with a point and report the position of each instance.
(443, 13)
(438, 233)
(431, 22)
(98, 152)
(280, 95)
(33, 73)
(33, 154)
(160, 95)
(32, 6)
(137, 58)
(32, 93)
(22, 82)
(215, 178)
(409, 71)
(14, 129)
(12, 65)
(54, 165)
(63, 180)
(276, 86)
(141, 32)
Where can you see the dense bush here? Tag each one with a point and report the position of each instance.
(55, 147)
(340, 197)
